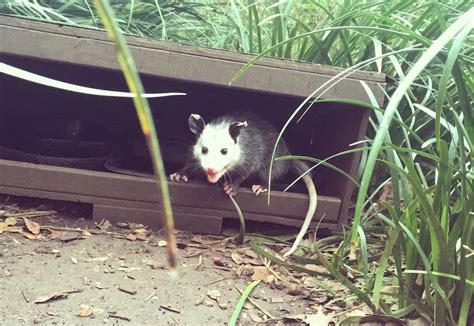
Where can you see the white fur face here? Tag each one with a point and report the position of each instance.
(216, 151)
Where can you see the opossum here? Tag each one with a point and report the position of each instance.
(240, 146)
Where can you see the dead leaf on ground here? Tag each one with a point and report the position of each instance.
(104, 224)
(7, 227)
(295, 291)
(277, 300)
(255, 317)
(219, 262)
(213, 294)
(69, 236)
(199, 301)
(55, 296)
(221, 304)
(250, 253)
(237, 258)
(261, 273)
(100, 286)
(154, 264)
(162, 243)
(54, 234)
(86, 311)
(31, 236)
(141, 234)
(319, 318)
(32, 226)
(316, 268)
(10, 221)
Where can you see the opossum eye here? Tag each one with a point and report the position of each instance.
(204, 150)
(224, 151)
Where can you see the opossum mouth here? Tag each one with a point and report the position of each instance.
(214, 177)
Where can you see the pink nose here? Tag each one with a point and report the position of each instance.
(211, 171)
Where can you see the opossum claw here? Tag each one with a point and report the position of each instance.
(229, 189)
(258, 189)
(178, 177)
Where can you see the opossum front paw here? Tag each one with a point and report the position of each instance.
(258, 189)
(178, 177)
(229, 189)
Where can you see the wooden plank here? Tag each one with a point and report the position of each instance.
(76, 46)
(122, 187)
(97, 34)
(152, 213)
(183, 220)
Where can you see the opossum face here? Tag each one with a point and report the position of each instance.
(217, 148)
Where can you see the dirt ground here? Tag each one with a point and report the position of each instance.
(58, 267)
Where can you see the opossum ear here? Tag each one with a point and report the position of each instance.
(234, 129)
(196, 124)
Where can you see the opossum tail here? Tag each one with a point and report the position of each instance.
(300, 168)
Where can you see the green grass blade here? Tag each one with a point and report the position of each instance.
(425, 59)
(145, 118)
(240, 304)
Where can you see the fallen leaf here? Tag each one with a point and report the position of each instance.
(237, 258)
(218, 261)
(32, 226)
(141, 234)
(213, 294)
(255, 317)
(131, 237)
(199, 301)
(5, 227)
(162, 243)
(99, 286)
(251, 253)
(31, 236)
(316, 268)
(222, 305)
(277, 300)
(260, 273)
(319, 318)
(69, 236)
(54, 234)
(10, 221)
(134, 226)
(54, 296)
(104, 224)
(86, 311)
(295, 291)
(154, 264)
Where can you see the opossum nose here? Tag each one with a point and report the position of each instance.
(211, 171)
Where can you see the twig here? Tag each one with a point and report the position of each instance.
(199, 263)
(257, 305)
(228, 269)
(194, 254)
(132, 292)
(31, 214)
(169, 308)
(25, 297)
(119, 317)
(153, 294)
(218, 280)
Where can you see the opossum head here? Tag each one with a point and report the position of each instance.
(217, 147)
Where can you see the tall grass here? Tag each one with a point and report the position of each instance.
(145, 118)
(422, 142)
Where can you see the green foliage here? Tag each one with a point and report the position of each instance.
(422, 142)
